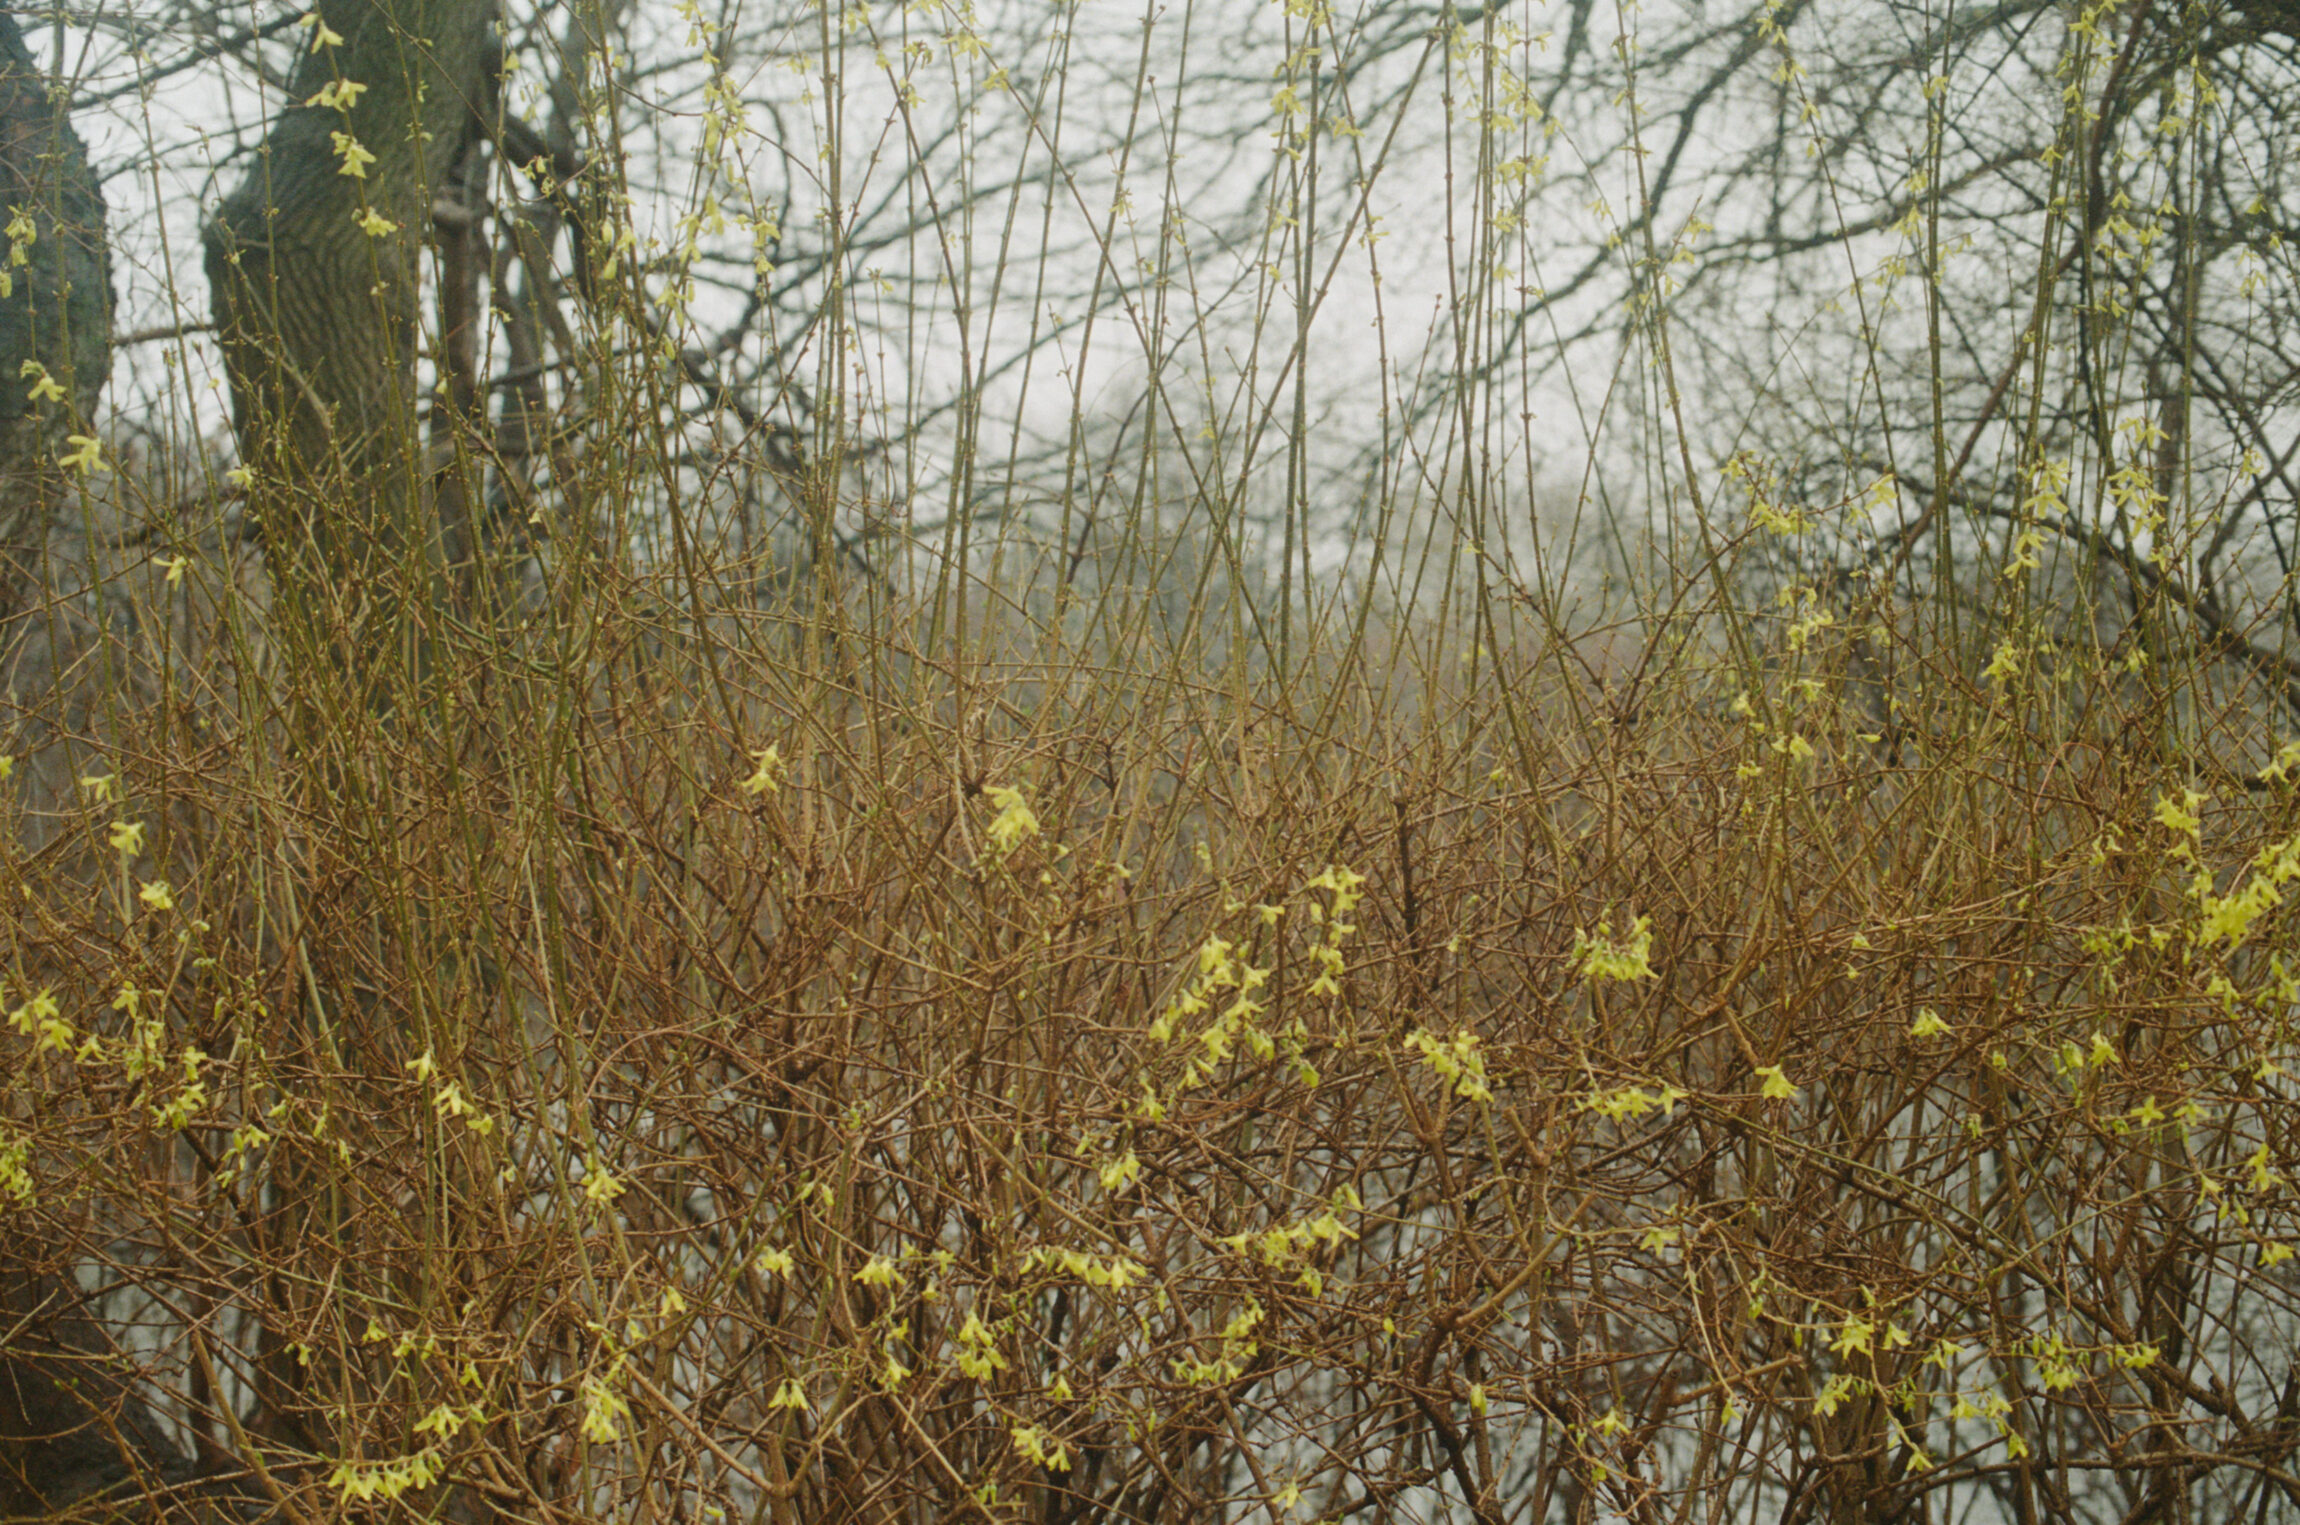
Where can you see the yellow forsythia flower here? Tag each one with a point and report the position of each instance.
(1014, 824)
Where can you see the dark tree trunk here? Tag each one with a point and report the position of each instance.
(72, 1428)
(314, 274)
(56, 314)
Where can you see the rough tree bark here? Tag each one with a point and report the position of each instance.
(55, 308)
(313, 263)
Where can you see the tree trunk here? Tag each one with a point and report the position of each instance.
(72, 1428)
(313, 266)
(55, 310)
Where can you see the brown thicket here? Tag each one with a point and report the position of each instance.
(817, 1137)
(1050, 1014)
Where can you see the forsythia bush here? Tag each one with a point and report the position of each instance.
(756, 1092)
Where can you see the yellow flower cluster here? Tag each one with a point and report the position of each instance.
(767, 776)
(1115, 1274)
(1032, 1443)
(604, 1411)
(15, 1167)
(1457, 1062)
(1598, 956)
(978, 1354)
(1347, 887)
(1013, 825)
(2230, 917)
(1239, 1347)
(1628, 1103)
(365, 1481)
(41, 1019)
(1294, 1243)
(1220, 970)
